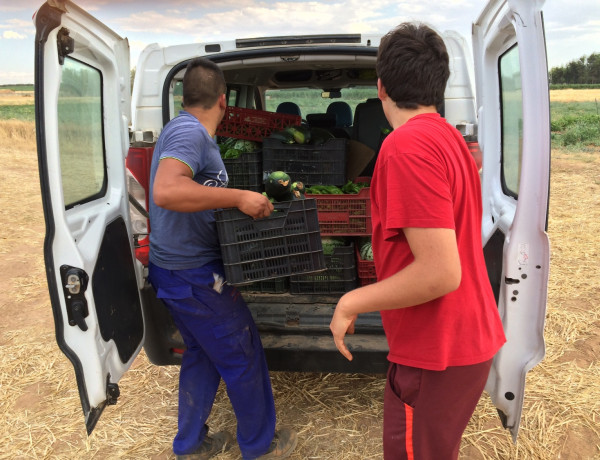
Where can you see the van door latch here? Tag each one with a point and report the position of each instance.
(75, 282)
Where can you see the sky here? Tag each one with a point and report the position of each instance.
(572, 26)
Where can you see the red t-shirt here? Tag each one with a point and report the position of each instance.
(426, 177)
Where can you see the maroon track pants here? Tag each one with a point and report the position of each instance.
(426, 412)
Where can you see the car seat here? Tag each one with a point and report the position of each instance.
(370, 127)
(290, 108)
(321, 120)
(343, 113)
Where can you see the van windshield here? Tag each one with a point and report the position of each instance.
(310, 100)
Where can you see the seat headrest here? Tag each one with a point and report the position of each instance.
(342, 111)
(289, 107)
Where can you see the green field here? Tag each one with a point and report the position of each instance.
(17, 87)
(575, 125)
(25, 112)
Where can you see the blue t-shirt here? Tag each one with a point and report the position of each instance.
(182, 240)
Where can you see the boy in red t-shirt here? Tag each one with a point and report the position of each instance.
(437, 306)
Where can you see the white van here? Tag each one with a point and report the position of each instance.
(89, 127)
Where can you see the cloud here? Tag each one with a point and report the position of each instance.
(16, 7)
(218, 20)
(15, 23)
(14, 77)
(180, 22)
(16, 29)
(12, 35)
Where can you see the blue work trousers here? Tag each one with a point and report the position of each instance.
(222, 341)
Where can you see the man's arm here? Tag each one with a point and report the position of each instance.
(435, 272)
(174, 189)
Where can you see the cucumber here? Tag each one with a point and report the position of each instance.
(283, 136)
(319, 136)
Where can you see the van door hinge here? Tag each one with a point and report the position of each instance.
(75, 282)
(65, 44)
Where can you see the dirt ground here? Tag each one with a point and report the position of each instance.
(338, 416)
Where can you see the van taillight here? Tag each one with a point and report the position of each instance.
(476, 152)
(138, 164)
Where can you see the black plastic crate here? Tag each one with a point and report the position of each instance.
(323, 164)
(274, 286)
(246, 171)
(285, 243)
(339, 278)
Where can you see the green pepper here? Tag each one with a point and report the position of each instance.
(232, 154)
(351, 188)
(333, 190)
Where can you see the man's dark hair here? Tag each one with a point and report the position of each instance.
(203, 83)
(413, 66)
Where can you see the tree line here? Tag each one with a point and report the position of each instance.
(582, 71)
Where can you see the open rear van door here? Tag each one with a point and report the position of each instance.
(514, 136)
(82, 101)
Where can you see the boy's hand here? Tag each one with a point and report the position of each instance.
(341, 324)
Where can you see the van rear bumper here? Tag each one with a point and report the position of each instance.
(294, 331)
(314, 353)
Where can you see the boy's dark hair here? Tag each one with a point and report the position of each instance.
(203, 83)
(413, 66)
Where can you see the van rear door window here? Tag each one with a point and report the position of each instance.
(80, 133)
(511, 96)
(310, 100)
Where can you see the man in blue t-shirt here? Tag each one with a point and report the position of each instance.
(187, 182)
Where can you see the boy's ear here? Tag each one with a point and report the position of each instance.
(381, 92)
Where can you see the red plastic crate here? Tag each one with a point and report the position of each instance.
(365, 268)
(253, 125)
(345, 214)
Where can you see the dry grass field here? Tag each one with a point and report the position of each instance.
(338, 416)
(574, 95)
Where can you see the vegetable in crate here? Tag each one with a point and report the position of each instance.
(329, 244)
(366, 251)
(232, 154)
(225, 144)
(301, 134)
(324, 190)
(279, 186)
(246, 146)
(353, 187)
(284, 136)
(298, 190)
(319, 136)
(232, 148)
